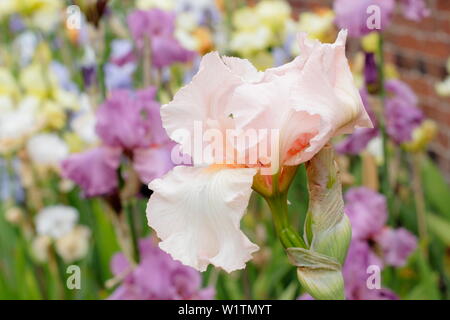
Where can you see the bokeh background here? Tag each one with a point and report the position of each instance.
(420, 51)
(74, 81)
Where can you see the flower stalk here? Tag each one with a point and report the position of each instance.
(275, 189)
(385, 186)
(279, 208)
(133, 232)
(420, 201)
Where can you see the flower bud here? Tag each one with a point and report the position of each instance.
(14, 215)
(327, 228)
(318, 274)
(264, 184)
(327, 231)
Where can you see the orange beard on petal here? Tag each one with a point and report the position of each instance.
(300, 144)
(217, 167)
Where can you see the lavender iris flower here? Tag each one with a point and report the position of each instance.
(158, 27)
(157, 277)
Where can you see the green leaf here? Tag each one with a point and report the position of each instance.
(290, 292)
(437, 191)
(440, 227)
(428, 287)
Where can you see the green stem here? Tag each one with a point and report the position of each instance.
(385, 186)
(133, 232)
(420, 202)
(58, 276)
(19, 232)
(279, 208)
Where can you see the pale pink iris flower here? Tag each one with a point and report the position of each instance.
(196, 210)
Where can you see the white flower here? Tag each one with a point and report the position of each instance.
(84, 122)
(74, 245)
(47, 149)
(443, 88)
(26, 44)
(39, 248)
(196, 210)
(56, 221)
(375, 148)
(16, 124)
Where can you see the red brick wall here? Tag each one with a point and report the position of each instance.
(420, 50)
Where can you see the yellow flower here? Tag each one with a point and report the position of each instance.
(34, 80)
(246, 19)
(161, 4)
(8, 7)
(422, 136)
(43, 14)
(53, 115)
(262, 60)
(273, 13)
(246, 43)
(370, 42)
(391, 72)
(39, 81)
(260, 27)
(74, 142)
(319, 25)
(43, 54)
(8, 85)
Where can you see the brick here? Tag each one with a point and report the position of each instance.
(406, 41)
(420, 86)
(426, 25)
(442, 138)
(436, 48)
(437, 70)
(440, 116)
(443, 5)
(444, 25)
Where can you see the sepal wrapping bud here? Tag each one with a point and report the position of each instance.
(318, 274)
(327, 230)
